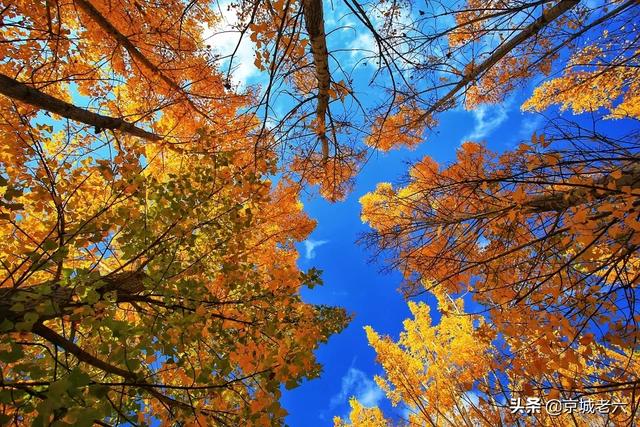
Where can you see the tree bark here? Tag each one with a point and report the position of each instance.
(314, 23)
(82, 355)
(16, 302)
(557, 201)
(560, 201)
(99, 19)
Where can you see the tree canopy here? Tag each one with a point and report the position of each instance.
(542, 239)
(150, 207)
(148, 260)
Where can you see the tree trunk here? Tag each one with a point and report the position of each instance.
(15, 303)
(314, 23)
(135, 53)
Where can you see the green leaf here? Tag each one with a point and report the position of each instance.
(6, 325)
(24, 326)
(56, 392)
(6, 396)
(133, 364)
(49, 245)
(31, 317)
(28, 320)
(98, 390)
(92, 296)
(291, 384)
(17, 307)
(82, 417)
(78, 378)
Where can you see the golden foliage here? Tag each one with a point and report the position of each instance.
(143, 279)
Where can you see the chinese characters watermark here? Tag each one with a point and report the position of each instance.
(533, 405)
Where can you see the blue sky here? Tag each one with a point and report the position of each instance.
(353, 282)
(351, 279)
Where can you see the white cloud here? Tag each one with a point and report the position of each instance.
(356, 383)
(483, 242)
(362, 46)
(530, 123)
(224, 38)
(487, 119)
(310, 246)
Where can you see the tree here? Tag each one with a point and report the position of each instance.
(140, 221)
(473, 52)
(148, 262)
(426, 60)
(544, 238)
(545, 241)
(445, 374)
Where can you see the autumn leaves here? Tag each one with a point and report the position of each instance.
(149, 263)
(541, 241)
(144, 278)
